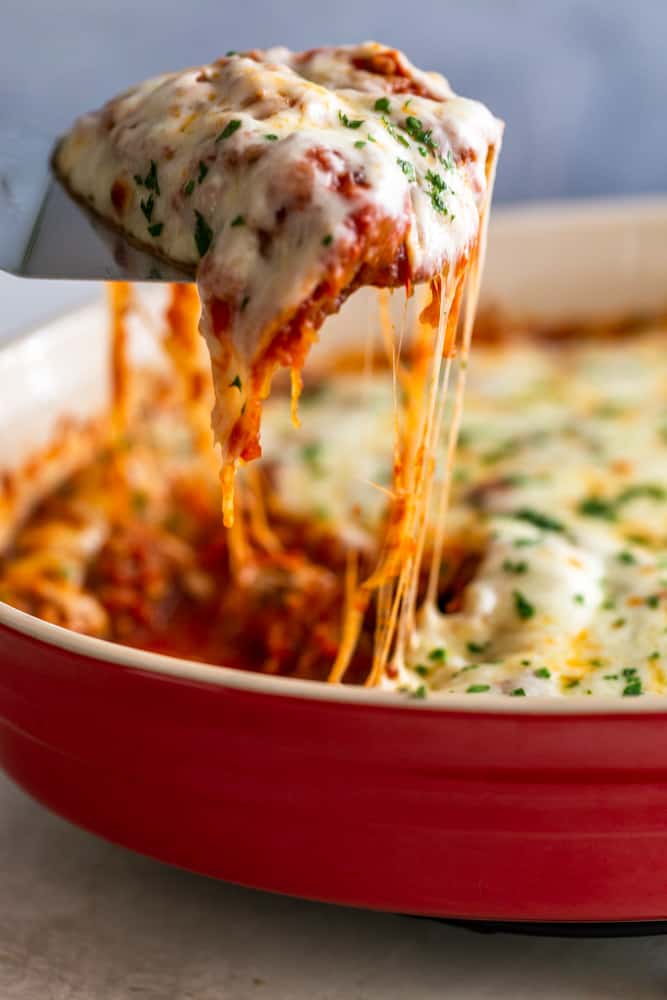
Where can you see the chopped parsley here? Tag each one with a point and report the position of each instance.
(382, 104)
(608, 508)
(415, 129)
(438, 655)
(522, 606)
(238, 221)
(203, 234)
(360, 143)
(312, 455)
(447, 161)
(203, 170)
(328, 240)
(598, 507)
(147, 206)
(350, 122)
(653, 600)
(394, 133)
(538, 519)
(650, 491)
(407, 169)
(229, 129)
(477, 648)
(420, 692)
(572, 682)
(655, 655)
(579, 599)
(542, 672)
(421, 670)
(189, 188)
(518, 693)
(437, 187)
(626, 557)
(515, 567)
(271, 137)
(435, 180)
(633, 685)
(236, 383)
(156, 228)
(150, 180)
(477, 688)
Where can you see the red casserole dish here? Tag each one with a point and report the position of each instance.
(514, 809)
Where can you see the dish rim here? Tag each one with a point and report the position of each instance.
(177, 668)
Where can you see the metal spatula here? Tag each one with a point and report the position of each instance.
(45, 234)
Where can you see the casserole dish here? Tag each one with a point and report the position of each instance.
(529, 809)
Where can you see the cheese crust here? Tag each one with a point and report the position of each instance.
(286, 180)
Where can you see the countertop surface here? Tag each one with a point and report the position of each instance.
(81, 919)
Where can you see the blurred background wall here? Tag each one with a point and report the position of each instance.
(581, 84)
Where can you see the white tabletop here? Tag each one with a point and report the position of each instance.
(81, 919)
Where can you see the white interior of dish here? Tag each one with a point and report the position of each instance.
(557, 263)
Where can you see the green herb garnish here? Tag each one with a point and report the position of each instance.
(598, 507)
(438, 655)
(382, 104)
(414, 127)
(189, 188)
(150, 180)
(477, 688)
(156, 228)
(328, 240)
(394, 133)
(515, 567)
(407, 169)
(229, 129)
(350, 122)
(542, 672)
(522, 606)
(477, 648)
(238, 221)
(147, 206)
(538, 519)
(518, 693)
(271, 137)
(203, 170)
(236, 383)
(203, 234)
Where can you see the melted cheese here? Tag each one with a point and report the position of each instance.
(286, 180)
(560, 483)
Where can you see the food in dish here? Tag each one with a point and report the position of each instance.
(287, 180)
(554, 574)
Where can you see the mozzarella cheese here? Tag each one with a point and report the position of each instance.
(286, 179)
(560, 482)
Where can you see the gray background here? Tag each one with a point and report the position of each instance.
(581, 84)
